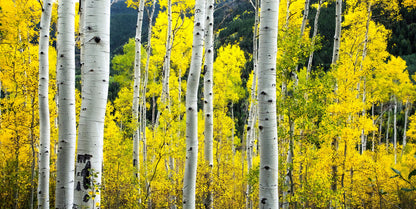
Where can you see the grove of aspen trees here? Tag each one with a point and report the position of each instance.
(207, 104)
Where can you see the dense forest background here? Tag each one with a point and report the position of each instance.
(346, 130)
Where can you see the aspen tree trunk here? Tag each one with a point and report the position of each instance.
(65, 165)
(335, 56)
(337, 36)
(209, 97)
(81, 12)
(387, 130)
(305, 18)
(406, 115)
(191, 106)
(143, 108)
(302, 29)
(288, 183)
(363, 136)
(268, 186)
(251, 122)
(94, 99)
(44, 127)
(166, 65)
(381, 124)
(165, 97)
(136, 92)
(395, 130)
(314, 34)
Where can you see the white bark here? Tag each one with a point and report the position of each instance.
(166, 65)
(337, 36)
(387, 130)
(81, 12)
(208, 96)
(191, 106)
(251, 122)
(314, 34)
(208, 82)
(143, 120)
(44, 125)
(406, 115)
(269, 196)
(380, 129)
(363, 136)
(136, 90)
(94, 99)
(305, 18)
(65, 165)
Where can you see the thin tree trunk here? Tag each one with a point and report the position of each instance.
(363, 136)
(94, 93)
(406, 115)
(288, 183)
(381, 124)
(191, 106)
(335, 57)
(136, 95)
(305, 17)
(268, 183)
(65, 165)
(302, 29)
(143, 118)
(315, 33)
(251, 122)
(337, 36)
(44, 121)
(209, 97)
(387, 131)
(33, 150)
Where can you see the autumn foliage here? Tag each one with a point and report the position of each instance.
(352, 124)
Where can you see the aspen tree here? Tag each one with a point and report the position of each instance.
(406, 115)
(388, 128)
(136, 92)
(268, 195)
(208, 97)
(337, 36)
(314, 34)
(363, 136)
(191, 106)
(165, 98)
(335, 57)
(251, 121)
(305, 18)
(143, 104)
(94, 99)
(65, 165)
(44, 128)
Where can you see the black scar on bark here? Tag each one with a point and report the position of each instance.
(97, 39)
(78, 186)
(263, 201)
(85, 173)
(84, 158)
(86, 198)
(134, 162)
